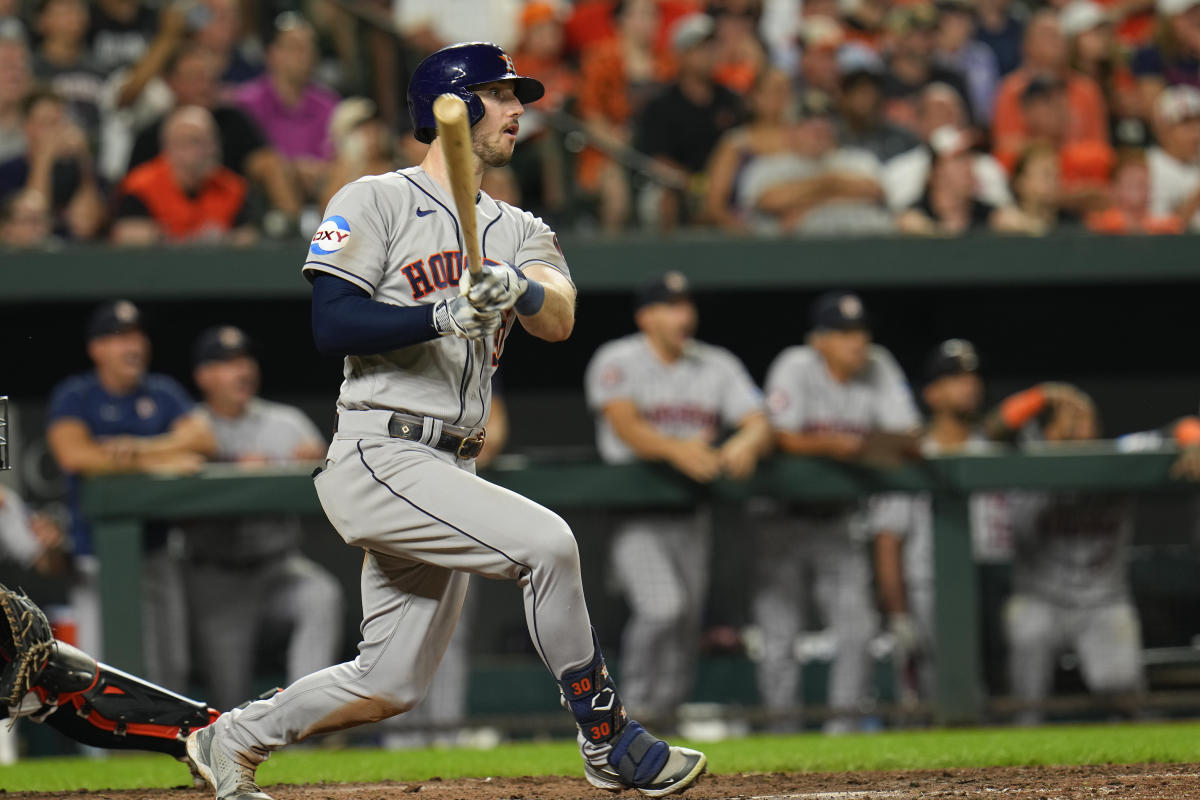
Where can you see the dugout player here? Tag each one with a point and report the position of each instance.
(660, 395)
(824, 398)
(1071, 589)
(120, 418)
(250, 571)
(901, 525)
(399, 477)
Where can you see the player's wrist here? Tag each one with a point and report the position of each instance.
(533, 297)
(439, 319)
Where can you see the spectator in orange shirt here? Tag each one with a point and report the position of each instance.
(1084, 165)
(617, 78)
(184, 194)
(1130, 209)
(1045, 55)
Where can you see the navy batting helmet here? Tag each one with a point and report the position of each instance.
(455, 69)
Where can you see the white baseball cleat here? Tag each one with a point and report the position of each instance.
(639, 760)
(231, 777)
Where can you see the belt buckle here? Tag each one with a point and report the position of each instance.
(470, 446)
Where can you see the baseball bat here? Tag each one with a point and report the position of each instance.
(454, 132)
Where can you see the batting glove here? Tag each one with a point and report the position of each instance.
(497, 287)
(458, 317)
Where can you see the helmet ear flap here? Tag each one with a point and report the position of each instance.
(475, 109)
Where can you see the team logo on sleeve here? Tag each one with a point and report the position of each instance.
(330, 237)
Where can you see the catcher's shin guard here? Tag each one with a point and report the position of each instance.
(101, 706)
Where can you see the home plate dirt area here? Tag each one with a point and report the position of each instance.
(1129, 782)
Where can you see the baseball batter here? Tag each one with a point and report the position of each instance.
(660, 395)
(823, 399)
(386, 267)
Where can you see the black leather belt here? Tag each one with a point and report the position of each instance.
(465, 447)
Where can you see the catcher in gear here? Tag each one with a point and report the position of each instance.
(50, 681)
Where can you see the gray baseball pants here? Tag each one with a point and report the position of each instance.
(291, 591)
(799, 552)
(661, 563)
(1107, 638)
(424, 521)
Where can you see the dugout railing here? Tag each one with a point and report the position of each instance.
(120, 505)
(711, 260)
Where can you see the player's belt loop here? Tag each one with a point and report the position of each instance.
(431, 431)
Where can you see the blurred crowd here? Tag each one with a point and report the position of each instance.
(226, 121)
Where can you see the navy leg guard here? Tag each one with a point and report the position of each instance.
(592, 698)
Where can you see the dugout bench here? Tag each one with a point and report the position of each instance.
(119, 505)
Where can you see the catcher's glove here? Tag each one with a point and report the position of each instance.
(26, 642)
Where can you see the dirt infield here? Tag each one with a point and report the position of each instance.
(1128, 782)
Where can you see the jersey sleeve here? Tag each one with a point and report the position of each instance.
(351, 243)
(785, 396)
(740, 395)
(66, 402)
(895, 410)
(891, 513)
(540, 246)
(607, 379)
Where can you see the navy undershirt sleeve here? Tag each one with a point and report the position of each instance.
(346, 321)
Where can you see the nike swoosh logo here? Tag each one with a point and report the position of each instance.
(421, 212)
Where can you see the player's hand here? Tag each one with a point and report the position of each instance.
(47, 532)
(1187, 466)
(845, 446)
(905, 639)
(696, 459)
(497, 287)
(459, 318)
(738, 458)
(123, 450)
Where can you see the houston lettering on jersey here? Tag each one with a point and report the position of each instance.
(438, 271)
(693, 416)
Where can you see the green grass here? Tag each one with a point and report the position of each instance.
(935, 749)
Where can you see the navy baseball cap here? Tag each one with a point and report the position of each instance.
(839, 311)
(951, 357)
(114, 316)
(666, 288)
(221, 343)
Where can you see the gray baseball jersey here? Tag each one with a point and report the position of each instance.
(803, 397)
(270, 430)
(1072, 548)
(17, 541)
(705, 390)
(395, 237)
